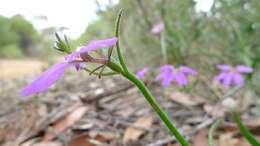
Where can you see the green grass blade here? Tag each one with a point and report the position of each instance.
(245, 132)
(212, 130)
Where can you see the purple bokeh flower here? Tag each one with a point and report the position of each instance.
(141, 73)
(158, 28)
(75, 59)
(232, 75)
(168, 74)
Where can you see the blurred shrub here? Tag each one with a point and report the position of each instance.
(7, 35)
(26, 32)
(11, 50)
(18, 33)
(228, 33)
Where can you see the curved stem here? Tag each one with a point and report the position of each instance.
(212, 130)
(148, 96)
(120, 57)
(152, 101)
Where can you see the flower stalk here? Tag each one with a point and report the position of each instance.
(152, 101)
(141, 86)
(164, 48)
(156, 107)
(117, 31)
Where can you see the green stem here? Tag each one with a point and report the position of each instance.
(120, 57)
(212, 130)
(95, 69)
(148, 96)
(164, 48)
(103, 74)
(152, 101)
(245, 132)
(115, 67)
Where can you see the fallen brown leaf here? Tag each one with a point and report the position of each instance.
(133, 134)
(81, 140)
(215, 110)
(243, 142)
(103, 136)
(252, 122)
(64, 123)
(227, 139)
(200, 139)
(245, 101)
(176, 144)
(47, 144)
(87, 140)
(185, 99)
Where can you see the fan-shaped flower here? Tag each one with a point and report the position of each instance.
(168, 74)
(75, 59)
(232, 75)
(141, 73)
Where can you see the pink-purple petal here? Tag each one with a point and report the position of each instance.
(79, 66)
(166, 82)
(46, 79)
(238, 79)
(220, 77)
(232, 76)
(244, 69)
(141, 73)
(227, 81)
(72, 56)
(168, 78)
(166, 68)
(92, 46)
(187, 70)
(168, 73)
(159, 77)
(224, 67)
(165, 77)
(181, 79)
(158, 28)
(97, 44)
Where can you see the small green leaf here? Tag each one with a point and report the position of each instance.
(61, 45)
(117, 32)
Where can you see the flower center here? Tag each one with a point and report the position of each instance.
(233, 70)
(175, 70)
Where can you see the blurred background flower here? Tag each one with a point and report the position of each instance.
(232, 75)
(169, 73)
(141, 73)
(157, 28)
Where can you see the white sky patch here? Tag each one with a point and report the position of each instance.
(204, 5)
(73, 14)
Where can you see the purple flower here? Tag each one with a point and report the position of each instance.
(187, 70)
(168, 74)
(232, 75)
(75, 59)
(141, 73)
(92, 46)
(157, 28)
